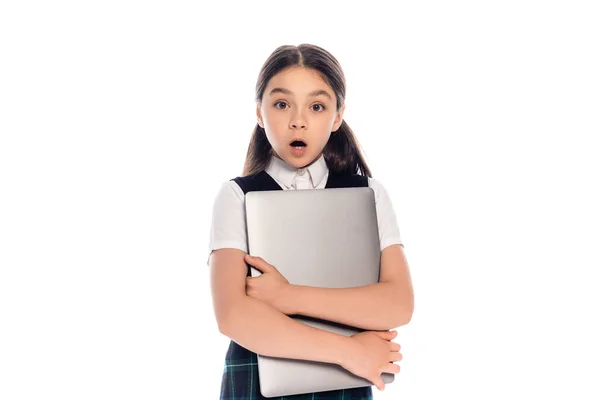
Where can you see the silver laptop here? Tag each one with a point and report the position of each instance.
(316, 237)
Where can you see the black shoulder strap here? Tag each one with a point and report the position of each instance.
(263, 181)
(346, 180)
(257, 182)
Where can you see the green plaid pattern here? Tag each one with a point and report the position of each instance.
(240, 381)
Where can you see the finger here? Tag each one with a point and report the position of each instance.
(394, 356)
(384, 335)
(391, 368)
(394, 346)
(387, 335)
(378, 382)
(258, 263)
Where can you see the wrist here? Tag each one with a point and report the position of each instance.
(288, 304)
(346, 350)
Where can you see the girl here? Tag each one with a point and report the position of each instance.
(302, 142)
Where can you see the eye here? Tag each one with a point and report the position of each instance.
(278, 103)
(322, 107)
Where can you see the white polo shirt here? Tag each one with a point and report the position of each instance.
(228, 229)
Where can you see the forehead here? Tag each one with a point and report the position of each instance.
(299, 80)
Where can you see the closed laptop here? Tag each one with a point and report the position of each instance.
(320, 237)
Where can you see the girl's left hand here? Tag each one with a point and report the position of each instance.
(270, 287)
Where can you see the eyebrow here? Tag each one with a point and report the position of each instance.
(314, 93)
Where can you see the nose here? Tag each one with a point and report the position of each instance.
(298, 125)
(298, 121)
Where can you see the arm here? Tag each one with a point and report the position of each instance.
(381, 306)
(264, 330)
(259, 327)
(251, 323)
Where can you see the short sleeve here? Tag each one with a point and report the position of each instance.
(389, 232)
(228, 226)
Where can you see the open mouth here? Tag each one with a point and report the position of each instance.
(298, 144)
(298, 148)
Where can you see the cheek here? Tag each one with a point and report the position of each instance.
(274, 128)
(327, 124)
(272, 119)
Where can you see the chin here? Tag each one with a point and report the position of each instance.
(299, 162)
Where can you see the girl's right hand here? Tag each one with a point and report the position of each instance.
(373, 353)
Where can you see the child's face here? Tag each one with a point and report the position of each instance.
(298, 105)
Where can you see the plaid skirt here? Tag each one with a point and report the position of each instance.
(240, 381)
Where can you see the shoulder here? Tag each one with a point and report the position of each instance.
(259, 181)
(237, 187)
(344, 180)
(246, 182)
(382, 195)
(378, 188)
(228, 229)
(229, 192)
(389, 232)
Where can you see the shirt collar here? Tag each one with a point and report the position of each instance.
(286, 174)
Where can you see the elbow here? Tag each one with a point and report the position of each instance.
(224, 326)
(399, 319)
(405, 317)
(227, 314)
(402, 314)
(226, 321)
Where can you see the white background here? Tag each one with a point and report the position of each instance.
(119, 121)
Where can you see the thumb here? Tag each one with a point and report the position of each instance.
(258, 263)
(387, 335)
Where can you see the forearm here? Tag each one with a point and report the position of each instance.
(373, 307)
(266, 331)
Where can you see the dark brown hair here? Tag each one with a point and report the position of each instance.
(342, 152)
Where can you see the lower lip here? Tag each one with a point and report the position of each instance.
(298, 152)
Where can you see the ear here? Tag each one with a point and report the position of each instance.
(339, 118)
(259, 117)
